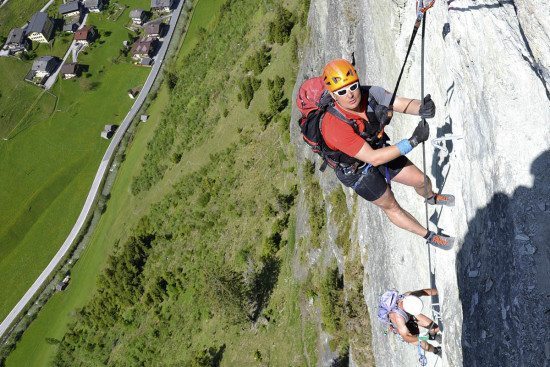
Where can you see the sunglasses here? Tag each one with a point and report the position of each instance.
(344, 91)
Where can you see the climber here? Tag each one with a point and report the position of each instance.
(366, 163)
(403, 314)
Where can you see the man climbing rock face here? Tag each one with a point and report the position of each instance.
(367, 163)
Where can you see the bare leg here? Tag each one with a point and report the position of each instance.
(410, 175)
(426, 322)
(398, 215)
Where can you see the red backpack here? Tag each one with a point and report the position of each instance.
(314, 101)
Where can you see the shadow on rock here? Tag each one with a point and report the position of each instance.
(503, 272)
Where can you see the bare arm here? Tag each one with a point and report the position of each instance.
(378, 156)
(406, 105)
(424, 292)
(402, 329)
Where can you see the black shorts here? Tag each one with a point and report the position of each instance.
(371, 183)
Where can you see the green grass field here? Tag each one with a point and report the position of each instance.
(18, 98)
(47, 166)
(294, 337)
(16, 13)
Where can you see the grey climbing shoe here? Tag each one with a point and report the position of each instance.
(441, 199)
(440, 241)
(437, 351)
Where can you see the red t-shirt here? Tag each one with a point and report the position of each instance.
(340, 136)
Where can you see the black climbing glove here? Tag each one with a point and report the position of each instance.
(420, 134)
(427, 108)
(381, 113)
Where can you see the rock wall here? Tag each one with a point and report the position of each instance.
(488, 70)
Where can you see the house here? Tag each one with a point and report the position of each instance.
(154, 29)
(17, 41)
(138, 16)
(108, 131)
(41, 69)
(40, 28)
(144, 118)
(71, 25)
(146, 61)
(63, 284)
(145, 47)
(162, 5)
(94, 6)
(132, 93)
(70, 9)
(85, 35)
(70, 70)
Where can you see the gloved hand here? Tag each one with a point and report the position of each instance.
(381, 113)
(420, 134)
(427, 108)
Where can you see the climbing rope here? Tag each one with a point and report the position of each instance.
(421, 10)
(421, 355)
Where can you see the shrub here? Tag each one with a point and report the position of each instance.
(248, 86)
(281, 27)
(258, 61)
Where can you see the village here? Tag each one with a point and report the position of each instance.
(147, 29)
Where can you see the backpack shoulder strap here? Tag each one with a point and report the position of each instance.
(340, 116)
(371, 101)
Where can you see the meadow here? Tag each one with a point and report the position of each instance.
(15, 13)
(50, 159)
(195, 266)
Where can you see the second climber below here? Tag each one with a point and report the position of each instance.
(365, 161)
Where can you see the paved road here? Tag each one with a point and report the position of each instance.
(52, 78)
(100, 175)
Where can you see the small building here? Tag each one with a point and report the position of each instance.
(154, 29)
(63, 284)
(70, 9)
(45, 65)
(138, 16)
(41, 69)
(133, 93)
(108, 131)
(94, 6)
(144, 118)
(146, 47)
(40, 28)
(146, 61)
(71, 25)
(162, 5)
(17, 41)
(70, 70)
(85, 35)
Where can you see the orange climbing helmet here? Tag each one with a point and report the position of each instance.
(339, 73)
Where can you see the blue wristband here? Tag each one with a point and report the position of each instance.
(404, 146)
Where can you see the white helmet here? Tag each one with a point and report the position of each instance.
(412, 305)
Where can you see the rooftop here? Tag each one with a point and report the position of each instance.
(69, 68)
(153, 28)
(143, 46)
(83, 33)
(37, 23)
(69, 7)
(17, 35)
(161, 3)
(91, 3)
(42, 62)
(136, 13)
